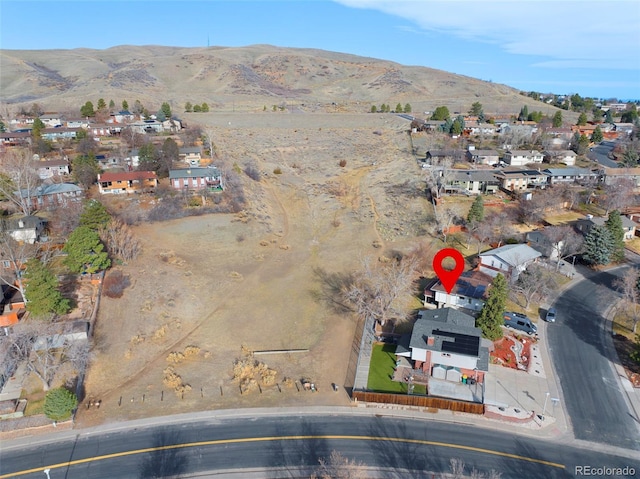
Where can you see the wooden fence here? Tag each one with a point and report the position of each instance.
(419, 401)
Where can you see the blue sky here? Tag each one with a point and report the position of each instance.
(590, 47)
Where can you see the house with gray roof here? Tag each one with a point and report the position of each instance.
(569, 175)
(447, 348)
(510, 260)
(471, 181)
(193, 179)
(469, 292)
(584, 225)
(483, 157)
(54, 194)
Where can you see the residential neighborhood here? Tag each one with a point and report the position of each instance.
(134, 226)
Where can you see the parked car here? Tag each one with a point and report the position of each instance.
(520, 322)
(550, 317)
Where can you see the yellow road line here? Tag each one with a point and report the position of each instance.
(283, 438)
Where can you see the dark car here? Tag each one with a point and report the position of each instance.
(550, 317)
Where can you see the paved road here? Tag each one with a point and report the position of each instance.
(580, 346)
(600, 154)
(286, 443)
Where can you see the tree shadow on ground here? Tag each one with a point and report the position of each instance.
(164, 461)
(331, 289)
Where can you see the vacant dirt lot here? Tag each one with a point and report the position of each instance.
(221, 282)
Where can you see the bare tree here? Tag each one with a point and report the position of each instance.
(564, 240)
(19, 179)
(618, 194)
(446, 217)
(533, 284)
(339, 467)
(627, 284)
(120, 240)
(379, 288)
(14, 255)
(45, 349)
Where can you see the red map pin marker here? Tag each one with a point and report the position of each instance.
(448, 277)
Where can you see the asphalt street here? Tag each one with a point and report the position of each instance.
(581, 348)
(600, 153)
(284, 443)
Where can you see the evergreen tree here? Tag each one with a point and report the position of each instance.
(188, 107)
(557, 119)
(198, 108)
(579, 143)
(608, 116)
(597, 136)
(476, 109)
(59, 403)
(148, 156)
(205, 107)
(112, 104)
(94, 215)
(374, 109)
(166, 109)
(524, 113)
(399, 108)
(85, 252)
(598, 246)
(441, 113)
(630, 157)
(614, 225)
(582, 119)
(36, 131)
(476, 212)
(101, 104)
(125, 105)
(87, 109)
(42, 290)
(3, 127)
(407, 108)
(491, 316)
(85, 169)
(458, 126)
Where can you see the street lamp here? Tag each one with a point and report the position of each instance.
(544, 408)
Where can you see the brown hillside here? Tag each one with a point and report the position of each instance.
(237, 78)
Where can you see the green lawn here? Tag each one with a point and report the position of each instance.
(383, 360)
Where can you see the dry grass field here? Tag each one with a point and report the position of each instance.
(208, 287)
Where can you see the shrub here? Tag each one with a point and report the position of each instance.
(59, 403)
(277, 171)
(343, 163)
(252, 172)
(115, 283)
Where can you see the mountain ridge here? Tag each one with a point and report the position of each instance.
(249, 76)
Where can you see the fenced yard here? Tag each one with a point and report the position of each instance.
(383, 363)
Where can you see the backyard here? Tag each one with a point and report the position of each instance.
(382, 366)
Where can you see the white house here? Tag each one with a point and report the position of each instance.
(469, 292)
(51, 168)
(567, 157)
(25, 229)
(446, 347)
(522, 157)
(510, 260)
